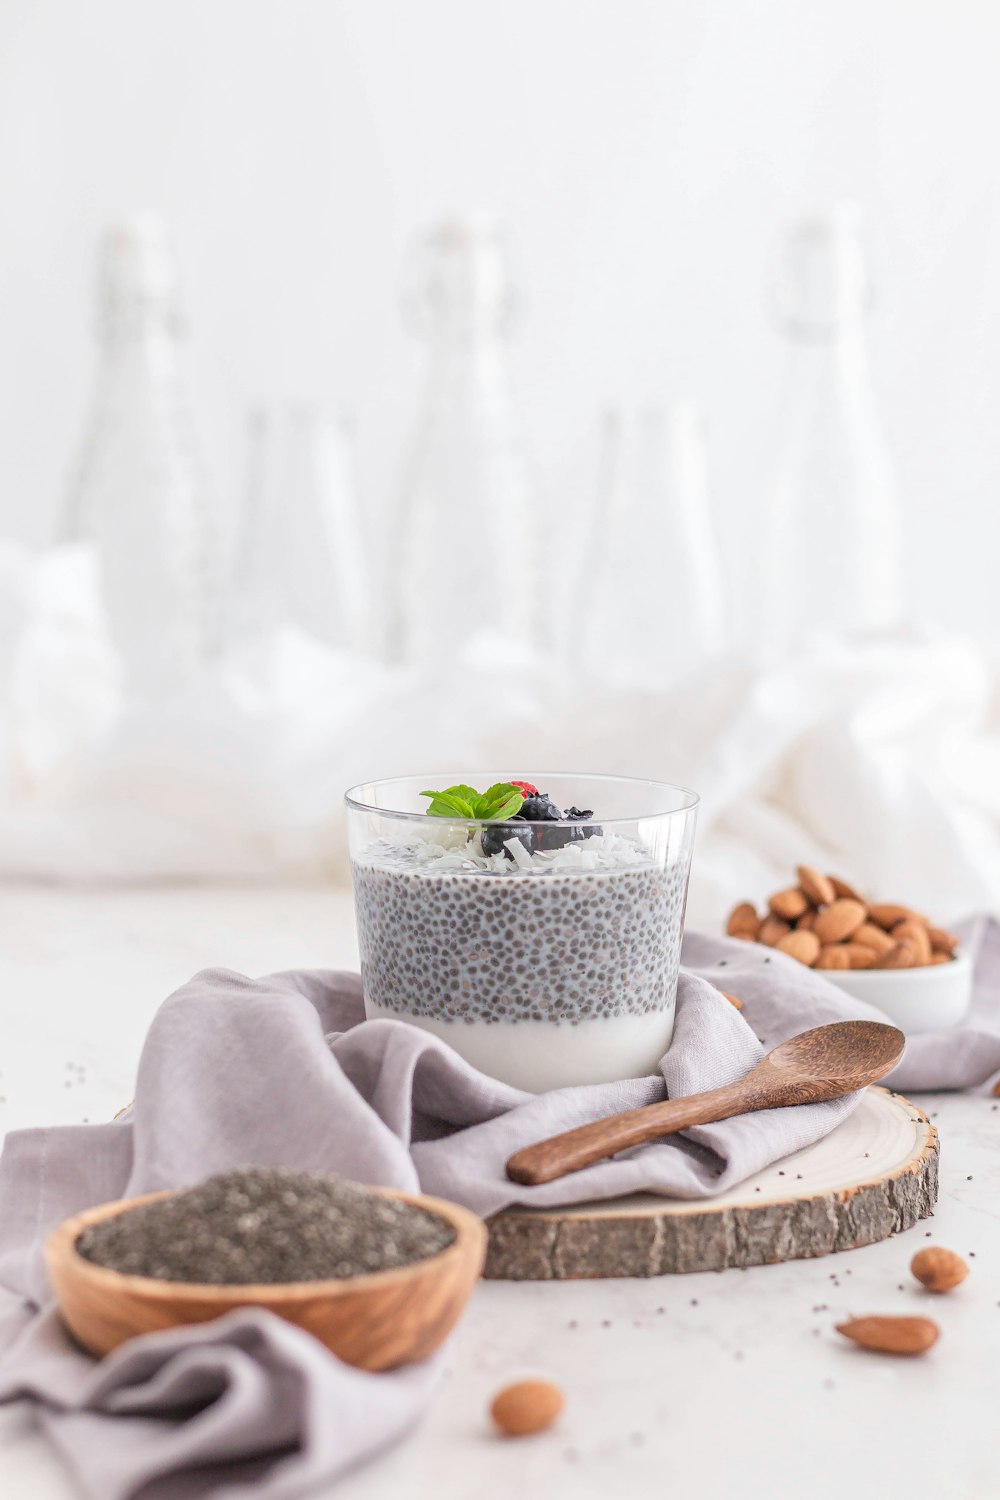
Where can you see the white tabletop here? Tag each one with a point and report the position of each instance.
(712, 1386)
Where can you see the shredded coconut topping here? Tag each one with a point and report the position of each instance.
(452, 851)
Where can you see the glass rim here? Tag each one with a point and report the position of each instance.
(430, 778)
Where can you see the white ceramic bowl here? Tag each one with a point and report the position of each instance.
(925, 999)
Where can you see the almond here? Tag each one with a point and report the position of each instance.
(743, 922)
(819, 888)
(841, 888)
(771, 929)
(916, 934)
(874, 938)
(891, 1335)
(941, 941)
(527, 1407)
(840, 920)
(900, 956)
(938, 1270)
(806, 923)
(732, 999)
(941, 958)
(858, 956)
(889, 916)
(801, 945)
(996, 1089)
(789, 905)
(834, 956)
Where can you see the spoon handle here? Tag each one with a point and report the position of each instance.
(573, 1149)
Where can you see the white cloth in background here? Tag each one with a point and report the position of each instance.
(879, 760)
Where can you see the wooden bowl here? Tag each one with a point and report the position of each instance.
(377, 1322)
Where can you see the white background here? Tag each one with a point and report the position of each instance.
(646, 155)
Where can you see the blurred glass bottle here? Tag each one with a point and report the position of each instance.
(300, 556)
(465, 543)
(140, 494)
(829, 546)
(653, 602)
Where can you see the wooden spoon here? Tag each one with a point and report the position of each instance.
(824, 1063)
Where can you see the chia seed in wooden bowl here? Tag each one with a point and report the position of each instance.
(382, 1276)
(266, 1225)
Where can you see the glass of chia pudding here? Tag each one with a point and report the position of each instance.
(534, 925)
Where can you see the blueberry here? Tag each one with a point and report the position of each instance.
(495, 835)
(540, 809)
(560, 835)
(569, 830)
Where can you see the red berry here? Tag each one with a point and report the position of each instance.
(526, 788)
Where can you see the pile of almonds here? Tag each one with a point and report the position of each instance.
(825, 924)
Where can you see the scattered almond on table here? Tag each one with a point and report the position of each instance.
(890, 1335)
(938, 1270)
(825, 924)
(526, 1407)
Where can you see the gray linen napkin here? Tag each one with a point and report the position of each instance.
(247, 1405)
(285, 1070)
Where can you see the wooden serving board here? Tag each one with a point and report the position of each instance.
(875, 1175)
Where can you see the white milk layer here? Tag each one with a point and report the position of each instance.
(542, 1055)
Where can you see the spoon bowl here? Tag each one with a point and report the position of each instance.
(840, 1052)
(823, 1063)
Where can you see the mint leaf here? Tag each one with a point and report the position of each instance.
(496, 795)
(507, 809)
(466, 793)
(501, 801)
(450, 804)
(498, 790)
(498, 803)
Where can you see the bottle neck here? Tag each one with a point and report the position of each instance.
(459, 302)
(822, 296)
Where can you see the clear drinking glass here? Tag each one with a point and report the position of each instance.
(550, 959)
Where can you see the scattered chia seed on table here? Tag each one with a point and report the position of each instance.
(266, 1225)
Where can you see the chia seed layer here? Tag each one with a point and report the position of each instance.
(550, 943)
(266, 1225)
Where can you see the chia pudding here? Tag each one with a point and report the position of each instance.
(545, 961)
